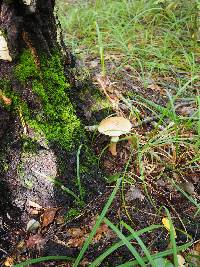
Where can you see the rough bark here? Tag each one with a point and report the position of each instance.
(32, 30)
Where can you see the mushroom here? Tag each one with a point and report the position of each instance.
(114, 127)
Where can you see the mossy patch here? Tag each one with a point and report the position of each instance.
(57, 120)
(72, 213)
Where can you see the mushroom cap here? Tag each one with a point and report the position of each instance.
(114, 126)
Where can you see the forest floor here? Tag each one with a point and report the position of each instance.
(141, 61)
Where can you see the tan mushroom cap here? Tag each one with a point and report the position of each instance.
(114, 126)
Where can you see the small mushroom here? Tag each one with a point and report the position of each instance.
(114, 127)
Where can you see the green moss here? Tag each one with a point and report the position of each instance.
(5, 84)
(72, 213)
(26, 69)
(57, 120)
(29, 145)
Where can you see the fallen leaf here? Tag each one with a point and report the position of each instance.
(48, 216)
(94, 63)
(76, 242)
(84, 262)
(130, 46)
(197, 247)
(21, 244)
(78, 237)
(154, 87)
(76, 232)
(187, 111)
(35, 240)
(161, 182)
(60, 220)
(134, 193)
(195, 255)
(7, 101)
(33, 204)
(101, 232)
(32, 225)
(9, 262)
(166, 224)
(188, 187)
(181, 261)
(33, 208)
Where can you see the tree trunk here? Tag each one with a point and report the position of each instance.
(39, 130)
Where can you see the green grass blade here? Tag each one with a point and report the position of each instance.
(126, 242)
(191, 199)
(119, 244)
(140, 242)
(172, 238)
(157, 255)
(97, 224)
(78, 172)
(42, 259)
(198, 101)
(101, 49)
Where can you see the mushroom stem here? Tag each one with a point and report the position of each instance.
(113, 148)
(113, 145)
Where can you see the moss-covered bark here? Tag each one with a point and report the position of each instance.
(56, 118)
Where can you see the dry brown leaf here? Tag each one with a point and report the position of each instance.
(21, 244)
(35, 240)
(102, 232)
(186, 111)
(76, 232)
(154, 87)
(33, 208)
(48, 216)
(130, 46)
(60, 220)
(195, 261)
(105, 83)
(9, 262)
(33, 204)
(84, 262)
(188, 187)
(7, 101)
(134, 193)
(197, 247)
(78, 237)
(76, 242)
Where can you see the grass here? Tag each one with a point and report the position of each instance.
(150, 36)
(158, 40)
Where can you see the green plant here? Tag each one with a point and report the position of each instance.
(43, 259)
(57, 119)
(81, 192)
(101, 50)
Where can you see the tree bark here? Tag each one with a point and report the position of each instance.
(33, 90)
